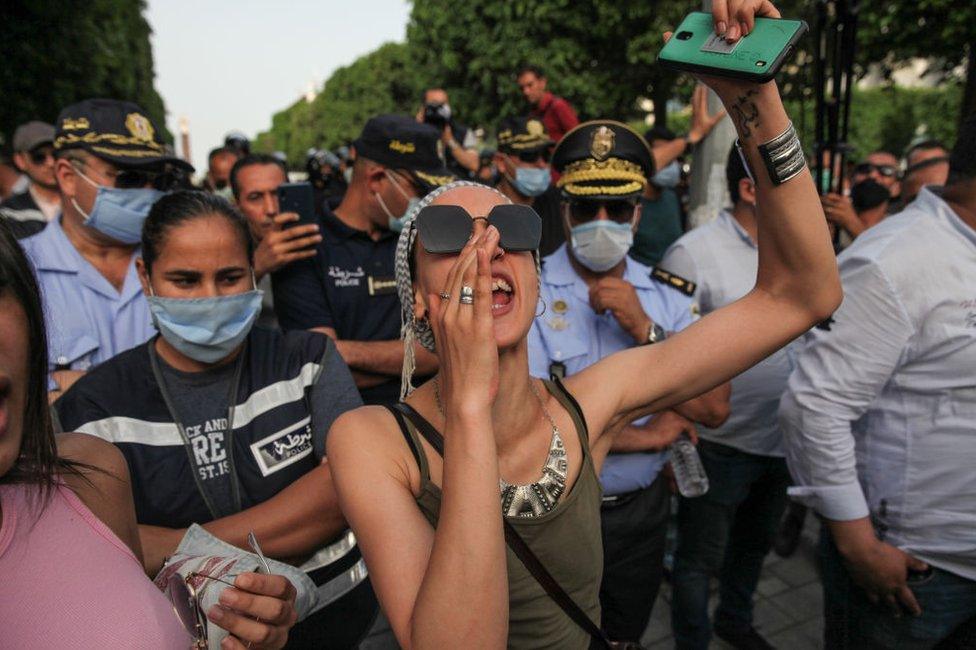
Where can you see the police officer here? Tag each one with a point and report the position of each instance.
(348, 289)
(600, 301)
(524, 175)
(111, 166)
(878, 422)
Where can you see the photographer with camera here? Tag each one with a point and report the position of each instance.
(323, 167)
(458, 147)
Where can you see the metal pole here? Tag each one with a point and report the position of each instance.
(707, 191)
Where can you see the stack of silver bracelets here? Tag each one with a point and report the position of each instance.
(783, 156)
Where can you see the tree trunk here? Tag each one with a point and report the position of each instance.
(967, 107)
(660, 93)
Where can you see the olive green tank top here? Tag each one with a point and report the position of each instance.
(566, 540)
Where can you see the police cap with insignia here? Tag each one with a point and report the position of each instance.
(117, 131)
(522, 135)
(602, 160)
(400, 142)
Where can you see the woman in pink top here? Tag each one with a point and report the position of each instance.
(70, 561)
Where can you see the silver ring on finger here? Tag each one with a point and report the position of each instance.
(467, 295)
(445, 296)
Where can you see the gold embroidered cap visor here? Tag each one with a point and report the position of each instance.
(602, 159)
(401, 143)
(116, 131)
(522, 134)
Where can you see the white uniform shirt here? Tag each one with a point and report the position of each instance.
(880, 414)
(722, 260)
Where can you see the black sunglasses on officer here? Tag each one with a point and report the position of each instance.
(532, 157)
(445, 229)
(617, 210)
(164, 179)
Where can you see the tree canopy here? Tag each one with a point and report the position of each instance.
(600, 55)
(57, 52)
(383, 81)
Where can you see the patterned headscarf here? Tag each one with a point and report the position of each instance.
(410, 329)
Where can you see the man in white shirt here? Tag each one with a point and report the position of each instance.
(728, 531)
(879, 420)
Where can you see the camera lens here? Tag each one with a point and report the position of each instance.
(684, 36)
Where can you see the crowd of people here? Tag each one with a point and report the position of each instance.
(444, 402)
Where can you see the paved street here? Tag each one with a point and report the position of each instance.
(789, 602)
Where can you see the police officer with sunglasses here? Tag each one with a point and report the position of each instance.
(600, 301)
(525, 176)
(110, 165)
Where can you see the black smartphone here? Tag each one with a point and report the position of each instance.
(298, 198)
(694, 47)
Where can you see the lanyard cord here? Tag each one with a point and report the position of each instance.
(228, 433)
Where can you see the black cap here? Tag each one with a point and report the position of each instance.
(518, 134)
(602, 159)
(400, 142)
(116, 131)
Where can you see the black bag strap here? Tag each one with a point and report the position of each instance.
(518, 545)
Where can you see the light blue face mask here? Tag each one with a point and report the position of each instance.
(119, 214)
(205, 329)
(531, 181)
(396, 222)
(600, 245)
(669, 176)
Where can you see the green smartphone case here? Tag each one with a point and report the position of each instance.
(694, 47)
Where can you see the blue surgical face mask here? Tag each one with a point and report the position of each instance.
(669, 176)
(205, 329)
(119, 214)
(531, 181)
(600, 245)
(396, 222)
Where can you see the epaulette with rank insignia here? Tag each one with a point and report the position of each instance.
(686, 287)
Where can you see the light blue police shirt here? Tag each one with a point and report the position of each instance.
(722, 260)
(879, 416)
(88, 320)
(571, 333)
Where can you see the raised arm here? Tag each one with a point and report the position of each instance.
(796, 287)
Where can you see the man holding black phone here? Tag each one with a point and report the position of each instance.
(347, 289)
(279, 237)
(457, 146)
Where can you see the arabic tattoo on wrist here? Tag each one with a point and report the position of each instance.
(745, 113)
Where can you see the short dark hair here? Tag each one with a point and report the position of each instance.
(735, 171)
(216, 151)
(962, 160)
(180, 207)
(925, 145)
(249, 160)
(534, 69)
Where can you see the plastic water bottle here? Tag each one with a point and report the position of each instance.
(689, 473)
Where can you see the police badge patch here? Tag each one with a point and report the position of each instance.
(601, 143)
(139, 126)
